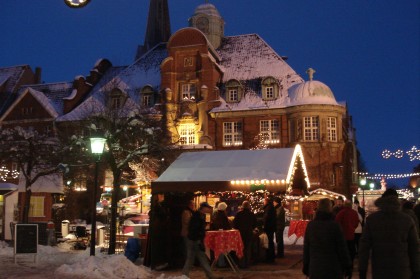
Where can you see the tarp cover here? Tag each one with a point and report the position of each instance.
(205, 169)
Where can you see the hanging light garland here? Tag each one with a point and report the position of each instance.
(413, 154)
(387, 176)
(8, 174)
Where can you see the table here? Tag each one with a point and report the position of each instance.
(298, 227)
(224, 241)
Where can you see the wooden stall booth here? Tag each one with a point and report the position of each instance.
(207, 174)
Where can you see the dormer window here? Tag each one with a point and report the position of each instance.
(27, 111)
(147, 99)
(116, 99)
(270, 89)
(233, 91)
(188, 91)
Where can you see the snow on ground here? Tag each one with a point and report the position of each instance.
(62, 262)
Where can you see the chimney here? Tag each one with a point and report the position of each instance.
(37, 77)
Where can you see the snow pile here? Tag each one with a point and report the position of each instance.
(5, 250)
(107, 267)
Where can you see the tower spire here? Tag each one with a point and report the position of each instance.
(158, 26)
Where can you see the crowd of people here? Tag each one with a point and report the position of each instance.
(339, 233)
(388, 238)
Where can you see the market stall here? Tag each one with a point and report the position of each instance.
(212, 175)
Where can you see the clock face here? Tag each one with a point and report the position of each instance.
(202, 23)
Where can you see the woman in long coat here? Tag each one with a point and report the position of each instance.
(325, 253)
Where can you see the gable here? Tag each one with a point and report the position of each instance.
(30, 105)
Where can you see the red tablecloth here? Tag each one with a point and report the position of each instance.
(224, 241)
(298, 227)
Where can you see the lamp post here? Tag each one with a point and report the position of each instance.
(97, 147)
(371, 186)
(363, 184)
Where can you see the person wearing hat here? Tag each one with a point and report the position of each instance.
(220, 220)
(195, 241)
(389, 238)
(280, 225)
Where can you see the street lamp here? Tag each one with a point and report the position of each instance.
(371, 185)
(363, 184)
(97, 148)
(76, 3)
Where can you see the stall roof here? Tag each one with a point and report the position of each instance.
(215, 170)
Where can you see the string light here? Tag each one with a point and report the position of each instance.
(387, 176)
(413, 154)
(7, 174)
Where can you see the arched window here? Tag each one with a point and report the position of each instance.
(234, 91)
(147, 96)
(270, 88)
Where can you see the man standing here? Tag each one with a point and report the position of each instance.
(348, 220)
(280, 225)
(390, 238)
(245, 221)
(195, 241)
(269, 226)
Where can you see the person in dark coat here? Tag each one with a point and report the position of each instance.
(195, 241)
(407, 208)
(416, 210)
(245, 221)
(269, 226)
(220, 220)
(338, 206)
(390, 238)
(280, 225)
(325, 253)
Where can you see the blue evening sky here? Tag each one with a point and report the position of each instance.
(367, 51)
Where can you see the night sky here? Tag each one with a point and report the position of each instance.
(366, 51)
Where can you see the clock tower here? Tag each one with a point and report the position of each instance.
(207, 19)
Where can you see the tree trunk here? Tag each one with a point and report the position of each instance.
(26, 203)
(114, 204)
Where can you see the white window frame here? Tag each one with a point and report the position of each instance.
(187, 134)
(332, 129)
(232, 133)
(233, 94)
(270, 129)
(188, 91)
(269, 92)
(37, 206)
(311, 128)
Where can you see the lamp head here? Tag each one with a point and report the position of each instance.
(76, 3)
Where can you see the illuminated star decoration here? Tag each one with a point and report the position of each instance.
(413, 153)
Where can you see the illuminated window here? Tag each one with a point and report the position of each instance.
(270, 129)
(186, 134)
(188, 91)
(232, 133)
(311, 128)
(332, 128)
(36, 207)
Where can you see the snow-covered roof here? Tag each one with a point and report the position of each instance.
(311, 92)
(230, 165)
(207, 9)
(145, 71)
(10, 76)
(248, 57)
(8, 186)
(52, 183)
